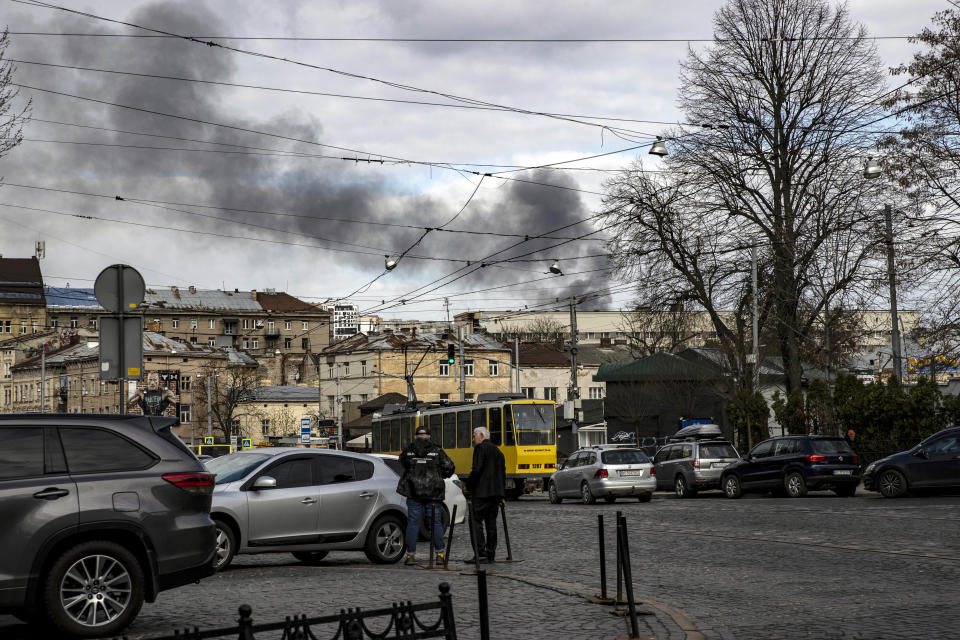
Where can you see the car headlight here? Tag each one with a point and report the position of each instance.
(870, 467)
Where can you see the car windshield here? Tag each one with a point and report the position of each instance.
(717, 451)
(535, 423)
(830, 446)
(624, 456)
(234, 466)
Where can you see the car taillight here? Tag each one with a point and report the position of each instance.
(601, 473)
(696, 463)
(856, 459)
(198, 483)
(816, 457)
(653, 471)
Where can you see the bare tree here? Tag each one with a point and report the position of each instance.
(781, 98)
(659, 330)
(541, 329)
(925, 159)
(227, 389)
(13, 117)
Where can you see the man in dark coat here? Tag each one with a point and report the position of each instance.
(425, 465)
(487, 483)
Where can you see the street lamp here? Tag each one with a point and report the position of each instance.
(658, 148)
(872, 170)
(555, 269)
(390, 262)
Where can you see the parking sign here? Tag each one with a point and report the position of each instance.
(305, 431)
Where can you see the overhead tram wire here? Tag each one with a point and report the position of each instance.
(340, 72)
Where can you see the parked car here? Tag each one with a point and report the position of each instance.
(100, 513)
(603, 471)
(932, 464)
(793, 465)
(453, 496)
(693, 465)
(307, 502)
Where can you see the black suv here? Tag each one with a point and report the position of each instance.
(791, 465)
(99, 513)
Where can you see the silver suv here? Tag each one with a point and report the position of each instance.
(603, 471)
(99, 514)
(307, 502)
(689, 466)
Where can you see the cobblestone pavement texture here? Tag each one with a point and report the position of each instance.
(710, 568)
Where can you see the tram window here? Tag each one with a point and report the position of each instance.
(394, 435)
(479, 420)
(494, 427)
(450, 430)
(464, 432)
(404, 432)
(436, 433)
(508, 426)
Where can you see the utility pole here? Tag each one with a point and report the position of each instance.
(209, 405)
(339, 408)
(755, 379)
(892, 275)
(516, 356)
(446, 303)
(43, 380)
(463, 380)
(574, 390)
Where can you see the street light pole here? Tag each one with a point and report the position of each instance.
(892, 276)
(209, 406)
(463, 380)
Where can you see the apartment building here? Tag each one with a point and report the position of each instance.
(22, 304)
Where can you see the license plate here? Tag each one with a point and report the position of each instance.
(842, 472)
(632, 472)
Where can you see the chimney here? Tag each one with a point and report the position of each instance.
(193, 289)
(253, 294)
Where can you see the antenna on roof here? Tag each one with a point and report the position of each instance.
(40, 250)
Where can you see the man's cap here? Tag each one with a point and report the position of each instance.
(423, 431)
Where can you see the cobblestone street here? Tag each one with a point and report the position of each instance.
(818, 567)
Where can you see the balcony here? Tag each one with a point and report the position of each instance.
(271, 333)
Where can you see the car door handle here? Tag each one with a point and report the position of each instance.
(308, 501)
(366, 494)
(51, 494)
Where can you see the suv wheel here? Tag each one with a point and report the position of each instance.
(731, 486)
(553, 495)
(310, 557)
(385, 543)
(226, 545)
(94, 589)
(586, 495)
(795, 485)
(682, 489)
(892, 484)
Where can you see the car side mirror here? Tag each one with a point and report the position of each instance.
(265, 482)
(920, 452)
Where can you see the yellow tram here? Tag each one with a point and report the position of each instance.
(525, 430)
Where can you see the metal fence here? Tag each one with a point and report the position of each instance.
(400, 621)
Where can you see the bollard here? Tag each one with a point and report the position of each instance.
(628, 576)
(432, 507)
(619, 598)
(472, 521)
(603, 559)
(506, 533)
(484, 607)
(245, 623)
(453, 522)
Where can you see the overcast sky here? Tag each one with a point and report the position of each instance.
(305, 252)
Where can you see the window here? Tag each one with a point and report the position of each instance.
(73, 322)
(95, 450)
(464, 431)
(292, 473)
(193, 323)
(265, 426)
(527, 392)
(254, 343)
(331, 403)
(494, 368)
(246, 343)
(185, 413)
(23, 327)
(53, 323)
(211, 323)
(444, 368)
(444, 396)
(193, 339)
(184, 383)
(449, 430)
(330, 371)
(6, 326)
(550, 393)
(468, 397)
(786, 447)
(229, 328)
(346, 368)
(22, 453)
(363, 368)
(174, 323)
(287, 343)
(287, 325)
(762, 450)
(211, 342)
(271, 325)
(364, 397)
(364, 469)
(304, 325)
(304, 343)
(596, 393)
(468, 367)
(496, 429)
(33, 326)
(334, 469)
(246, 323)
(347, 397)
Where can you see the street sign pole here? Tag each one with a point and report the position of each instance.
(120, 288)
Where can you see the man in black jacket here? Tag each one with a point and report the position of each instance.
(487, 483)
(425, 465)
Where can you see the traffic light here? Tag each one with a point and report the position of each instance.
(451, 354)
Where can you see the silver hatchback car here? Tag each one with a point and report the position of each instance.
(307, 502)
(603, 471)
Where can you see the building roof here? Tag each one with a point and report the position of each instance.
(418, 342)
(285, 393)
(284, 302)
(193, 299)
(381, 401)
(655, 368)
(21, 281)
(542, 354)
(16, 341)
(595, 354)
(66, 298)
